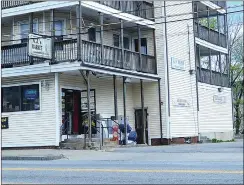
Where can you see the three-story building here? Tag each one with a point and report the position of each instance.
(65, 62)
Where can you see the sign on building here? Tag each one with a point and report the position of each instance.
(177, 64)
(39, 46)
(181, 103)
(4, 121)
(219, 99)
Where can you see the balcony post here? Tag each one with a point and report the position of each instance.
(115, 98)
(143, 113)
(122, 42)
(210, 65)
(208, 24)
(52, 26)
(139, 45)
(101, 37)
(124, 103)
(220, 69)
(199, 60)
(155, 53)
(78, 29)
(89, 108)
(218, 24)
(31, 31)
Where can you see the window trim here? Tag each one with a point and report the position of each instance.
(29, 111)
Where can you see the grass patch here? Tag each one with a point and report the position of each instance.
(214, 140)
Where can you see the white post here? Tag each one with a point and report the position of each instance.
(57, 107)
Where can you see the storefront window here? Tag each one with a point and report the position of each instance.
(20, 98)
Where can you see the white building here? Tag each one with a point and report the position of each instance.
(167, 75)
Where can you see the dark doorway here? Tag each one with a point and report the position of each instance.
(71, 111)
(139, 126)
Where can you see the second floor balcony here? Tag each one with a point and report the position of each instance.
(66, 51)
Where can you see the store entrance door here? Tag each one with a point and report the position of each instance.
(71, 109)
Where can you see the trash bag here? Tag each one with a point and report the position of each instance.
(121, 127)
(132, 136)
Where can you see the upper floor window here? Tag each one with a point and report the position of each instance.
(20, 98)
(25, 30)
(116, 40)
(92, 34)
(59, 32)
(143, 45)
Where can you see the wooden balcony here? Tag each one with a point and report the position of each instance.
(12, 4)
(66, 50)
(211, 36)
(141, 9)
(216, 78)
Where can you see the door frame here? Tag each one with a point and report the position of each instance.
(147, 116)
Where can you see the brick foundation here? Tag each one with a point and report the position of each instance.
(178, 140)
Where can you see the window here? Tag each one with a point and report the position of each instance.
(116, 40)
(25, 29)
(92, 34)
(20, 98)
(143, 45)
(58, 26)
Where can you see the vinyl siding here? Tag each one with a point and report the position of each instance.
(32, 128)
(104, 95)
(183, 120)
(214, 117)
(160, 57)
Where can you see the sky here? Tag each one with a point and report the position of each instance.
(237, 18)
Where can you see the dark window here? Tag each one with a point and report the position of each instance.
(59, 26)
(126, 43)
(92, 34)
(20, 98)
(116, 40)
(143, 45)
(25, 29)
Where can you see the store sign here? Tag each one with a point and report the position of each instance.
(4, 121)
(177, 64)
(181, 103)
(219, 99)
(40, 46)
(30, 94)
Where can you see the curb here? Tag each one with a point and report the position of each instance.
(40, 158)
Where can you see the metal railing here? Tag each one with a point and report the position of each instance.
(211, 36)
(66, 50)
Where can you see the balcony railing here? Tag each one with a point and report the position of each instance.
(211, 36)
(220, 3)
(216, 78)
(12, 4)
(139, 8)
(66, 50)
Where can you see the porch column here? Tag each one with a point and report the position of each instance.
(124, 103)
(88, 107)
(31, 31)
(52, 26)
(78, 29)
(115, 98)
(143, 113)
(139, 45)
(101, 37)
(122, 42)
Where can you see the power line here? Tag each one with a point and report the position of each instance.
(137, 20)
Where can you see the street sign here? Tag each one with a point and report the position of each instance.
(40, 46)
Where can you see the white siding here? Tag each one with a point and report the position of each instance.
(214, 117)
(32, 128)
(104, 95)
(160, 57)
(183, 120)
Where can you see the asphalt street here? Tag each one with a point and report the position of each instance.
(185, 164)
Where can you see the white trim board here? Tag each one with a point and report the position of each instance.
(213, 6)
(211, 46)
(48, 5)
(68, 66)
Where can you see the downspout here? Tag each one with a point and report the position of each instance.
(166, 63)
(197, 94)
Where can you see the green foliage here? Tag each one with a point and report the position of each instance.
(213, 24)
(214, 140)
